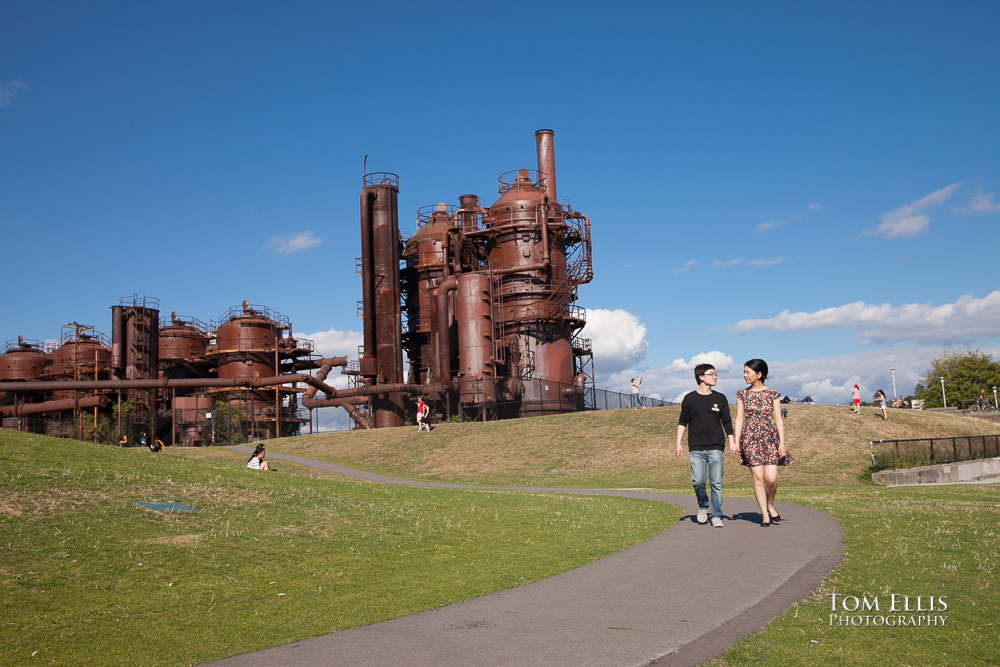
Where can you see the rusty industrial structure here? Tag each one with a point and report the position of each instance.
(480, 301)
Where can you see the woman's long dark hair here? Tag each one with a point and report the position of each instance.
(259, 450)
(758, 366)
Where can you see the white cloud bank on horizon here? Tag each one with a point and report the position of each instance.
(827, 380)
(911, 220)
(289, 243)
(618, 338)
(966, 319)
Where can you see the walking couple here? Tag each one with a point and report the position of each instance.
(758, 439)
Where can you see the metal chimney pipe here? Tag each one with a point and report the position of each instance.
(547, 162)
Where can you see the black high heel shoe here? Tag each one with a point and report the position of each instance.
(775, 517)
(765, 525)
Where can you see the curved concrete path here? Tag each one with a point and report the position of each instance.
(679, 598)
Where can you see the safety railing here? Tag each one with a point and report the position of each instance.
(915, 452)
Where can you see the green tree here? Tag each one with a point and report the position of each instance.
(964, 373)
(227, 422)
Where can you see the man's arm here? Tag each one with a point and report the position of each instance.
(680, 436)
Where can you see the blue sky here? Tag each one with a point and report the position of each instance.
(816, 184)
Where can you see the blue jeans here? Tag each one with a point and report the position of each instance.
(636, 401)
(713, 459)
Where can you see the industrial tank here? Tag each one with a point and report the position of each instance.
(426, 263)
(22, 360)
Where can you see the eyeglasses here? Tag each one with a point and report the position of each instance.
(712, 373)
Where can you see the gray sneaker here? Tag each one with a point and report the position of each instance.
(716, 522)
(702, 515)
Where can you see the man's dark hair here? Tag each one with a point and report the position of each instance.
(701, 369)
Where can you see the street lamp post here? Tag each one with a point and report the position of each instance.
(893, 370)
(944, 397)
(995, 405)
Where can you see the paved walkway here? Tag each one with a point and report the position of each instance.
(679, 598)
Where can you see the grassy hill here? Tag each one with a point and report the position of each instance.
(275, 557)
(618, 448)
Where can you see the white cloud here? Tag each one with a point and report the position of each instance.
(334, 343)
(618, 338)
(775, 224)
(982, 203)
(289, 243)
(10, 91)
(688, 265)
(966, 319)
(909, 220)
(815, 206)
(766, 262)
(720, 360)
(826, 379)
(724, 264)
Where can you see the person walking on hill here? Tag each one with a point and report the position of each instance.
(880, 399)
(856, 400)
(636, 394)
(760, 432)
(422, 412)
(706, 411)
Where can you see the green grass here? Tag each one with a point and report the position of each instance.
(936, 541)
(72, 546)
(88, 578)
(910, 541)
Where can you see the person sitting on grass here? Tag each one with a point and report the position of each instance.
(257, 461)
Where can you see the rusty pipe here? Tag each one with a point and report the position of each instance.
(327, 364)
(166, 383)
(55, 406)
(443, 332)
(353, 412)
(545, 151)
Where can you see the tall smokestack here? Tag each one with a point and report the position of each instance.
(547, 162)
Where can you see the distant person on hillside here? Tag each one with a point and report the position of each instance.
(856, 400)
(123, 441)
(760, 432)
(982, 401)
(636, 394)
(707, 413)
(156, 446)
(880, 399)
(142, 440)
(257, 461)
(422, 413)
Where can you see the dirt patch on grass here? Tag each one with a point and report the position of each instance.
(49, 501)
(177, 540)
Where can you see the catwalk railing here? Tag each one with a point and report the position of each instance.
(915, 452)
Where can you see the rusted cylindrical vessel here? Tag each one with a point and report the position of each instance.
(382, 361)
(473, 316)
(24, 360)
(245, 345)
(182, 341)
(426, 265)
(546, 154)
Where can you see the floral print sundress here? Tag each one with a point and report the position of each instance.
(759, 440)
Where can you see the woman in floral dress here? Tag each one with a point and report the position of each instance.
(760, 437)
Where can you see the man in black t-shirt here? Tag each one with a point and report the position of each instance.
(707, 413)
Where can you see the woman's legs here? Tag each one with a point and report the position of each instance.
(765, 487)
(771, 488)
(264, 465)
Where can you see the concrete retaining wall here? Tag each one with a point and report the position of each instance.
(964, 471)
